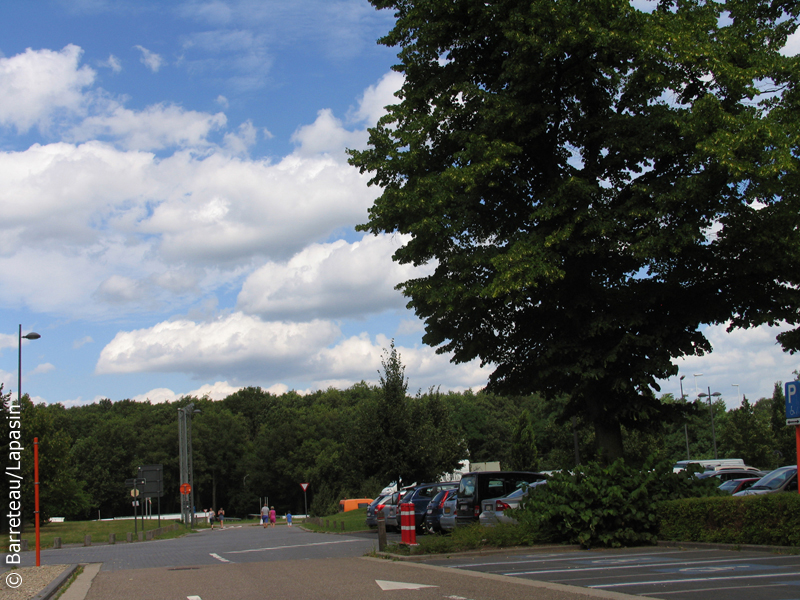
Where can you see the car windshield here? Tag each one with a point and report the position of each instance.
(729, 486)
(774, 480)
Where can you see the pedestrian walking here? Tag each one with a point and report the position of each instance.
(211, 517)
(272, 515)
(221, 517)
(264, 515)
(289, 518)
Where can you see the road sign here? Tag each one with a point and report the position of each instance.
(134, 493)
(304, 486)
(792, 393)
(134, 482)
(186, 488)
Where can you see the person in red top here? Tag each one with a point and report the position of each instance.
(272, 515)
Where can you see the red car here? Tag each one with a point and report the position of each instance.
(737, 485)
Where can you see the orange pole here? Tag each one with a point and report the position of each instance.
(36, 494)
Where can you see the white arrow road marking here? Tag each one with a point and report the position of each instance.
(218, 557)
(399, 585)
(193, 598)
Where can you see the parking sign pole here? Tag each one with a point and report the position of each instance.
(792, 398)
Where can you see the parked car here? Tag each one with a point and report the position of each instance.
(495, 510)
(436, 508)
(421, 496)
(733, 486)
(391, 509)
(447, 521)
(779, 480)
(704, 465)
(728, 473)
(477, 486)
(373, 509)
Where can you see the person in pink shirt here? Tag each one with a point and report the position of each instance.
(272, 515)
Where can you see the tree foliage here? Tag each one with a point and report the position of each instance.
(591, 183)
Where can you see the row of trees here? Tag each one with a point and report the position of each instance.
(345, 443)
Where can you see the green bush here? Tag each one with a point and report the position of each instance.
(768, 519)
(607, 506)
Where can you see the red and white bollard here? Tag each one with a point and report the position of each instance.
(408, 525)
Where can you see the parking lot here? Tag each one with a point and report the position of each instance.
(653, 572)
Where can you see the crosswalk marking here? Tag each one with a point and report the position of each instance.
(218, 557)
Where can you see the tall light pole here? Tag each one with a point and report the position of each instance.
(30, 336)
(738, 395)
(187, 467)
(685, 426)
(709, 395)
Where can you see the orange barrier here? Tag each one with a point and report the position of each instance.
(408, 525)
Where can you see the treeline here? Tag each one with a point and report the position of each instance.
(344, 443)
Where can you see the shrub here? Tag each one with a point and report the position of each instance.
(768, 519)
(608, 506)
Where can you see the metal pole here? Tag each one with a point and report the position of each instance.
(713, 435)
(183, 459)
(190, 463)
(36, 490)
(685, 426)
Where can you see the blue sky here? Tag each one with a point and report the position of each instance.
(178, 213)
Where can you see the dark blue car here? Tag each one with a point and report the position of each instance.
(433, 513)
(421, 496)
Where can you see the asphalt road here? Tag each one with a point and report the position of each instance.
(233, 544)
(654, 572)
(250, 562)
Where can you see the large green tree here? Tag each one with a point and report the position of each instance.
(591, 183)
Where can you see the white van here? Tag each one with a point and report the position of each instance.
(708, 465)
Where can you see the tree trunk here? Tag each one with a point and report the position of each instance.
(608, 437)
(214, 490)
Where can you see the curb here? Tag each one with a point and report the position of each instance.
(733, 547)
(51, 588)
(483, 552)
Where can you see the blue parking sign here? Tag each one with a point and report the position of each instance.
(792, 394)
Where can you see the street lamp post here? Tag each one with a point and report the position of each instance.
(186, 461)
(685, 426)
(709, 395)
(738, 395)
(30, 336)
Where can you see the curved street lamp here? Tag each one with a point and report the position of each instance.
(709, 395)
(30, 336)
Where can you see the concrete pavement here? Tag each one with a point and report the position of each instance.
(331, 579)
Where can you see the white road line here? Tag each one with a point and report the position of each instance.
(694, 565)
(193, 598)
(664, 581)
(218, 557)
(287, 547)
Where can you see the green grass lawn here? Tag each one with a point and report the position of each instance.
(74, 532)
(354, 520)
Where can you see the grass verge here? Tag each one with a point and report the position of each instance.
(353, 520)
(473, 537)
(69, 582)
(74, 532)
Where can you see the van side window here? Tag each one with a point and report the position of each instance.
(496, 488)
(467, 487)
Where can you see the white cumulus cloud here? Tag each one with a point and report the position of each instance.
(37, 85)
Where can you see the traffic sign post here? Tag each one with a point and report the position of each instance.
(792, 395)
(305, 498)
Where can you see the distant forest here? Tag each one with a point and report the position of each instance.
(344, 443)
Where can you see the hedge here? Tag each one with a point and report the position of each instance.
(767, 519)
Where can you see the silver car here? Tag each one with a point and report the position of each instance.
(495, 511)
(779, 480)
(447, 522)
